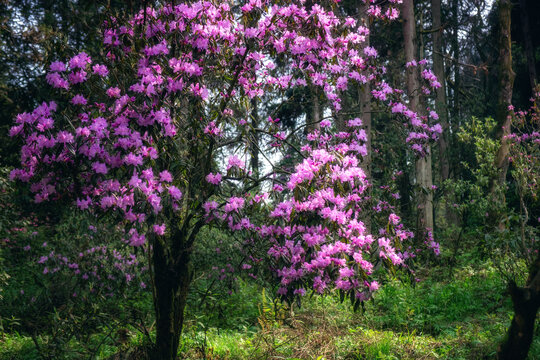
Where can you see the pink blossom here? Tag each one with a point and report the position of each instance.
(394, 219)
(175, 192)
(80, 61)
(99, 168)
(58, 66)
(235, 162)
(100, 70)
(209, 206)
(159, 229)
(78, 100)
(214, 179)
(165, 176)
(113, 92)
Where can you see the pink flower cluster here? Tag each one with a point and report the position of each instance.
(317, 238)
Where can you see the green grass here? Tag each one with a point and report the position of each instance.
(462, 315)
(14, 346)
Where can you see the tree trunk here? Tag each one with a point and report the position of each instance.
(529, 50)
(425, 194)
(440, 102)
(526, 301)
(254, 141)
(364, 99)
(455, 66)
(424, 178)
(441, 105)
(171, 285)
(506, 84)
(313, 119)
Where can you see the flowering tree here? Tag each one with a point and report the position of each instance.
(524, 151)
(139, 137)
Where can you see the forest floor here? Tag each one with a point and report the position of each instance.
(458, 314)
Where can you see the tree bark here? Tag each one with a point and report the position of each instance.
(440, 102)
(424, 178)
(526, 301)
(455, 66)
(504, 100)
(364, 99)
(171, 284)
(314, 118)
(529, 50)
(254, 140)
(364, 103)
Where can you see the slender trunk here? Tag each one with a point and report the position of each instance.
(441, 105)
(529, 50)
(526, 301)
(171, 285)
(409, 37)
(314, 118)
(440, 102)
(364, 98)
(455, 66)
(424, 178)
(254, 141)
(506, 83)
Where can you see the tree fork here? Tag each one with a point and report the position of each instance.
(526, 301)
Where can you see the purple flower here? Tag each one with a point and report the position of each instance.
(165, 176)
(175, 193)
(80, 61)
(58, 66)
(99, 168)
(100, 70)
(78, 100)
(235, 162)
(159, 229)
(214, 179)
(113, 92)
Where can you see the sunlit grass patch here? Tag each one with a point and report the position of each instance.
(15, 346)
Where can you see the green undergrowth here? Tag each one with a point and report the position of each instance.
(460, 315)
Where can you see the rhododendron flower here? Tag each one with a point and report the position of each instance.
(374, 286)
(165, 176)
(213, 178)
(100, 70)
(113, 92)
(58, 66)
(394, 219)
(234, 204)
(78, 100)
(99, 168)
(159, 229)
(80, 61)
(235, 162)
(209, 206)
(175, 192)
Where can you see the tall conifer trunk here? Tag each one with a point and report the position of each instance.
(440, 103)
(529, 49)
(506, 84)
(364, 98)
(424, 180)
